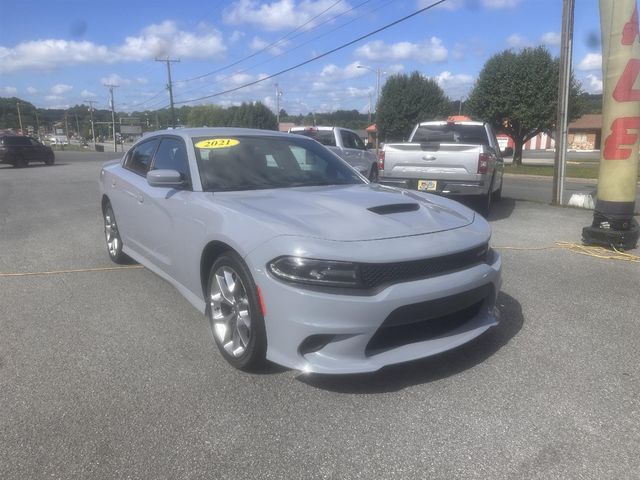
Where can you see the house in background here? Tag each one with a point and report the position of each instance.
(584, 135)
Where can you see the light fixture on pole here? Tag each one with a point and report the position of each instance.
(378, 72)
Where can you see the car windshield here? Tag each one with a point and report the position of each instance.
(249, 162)
(451, 133)
(325, 137)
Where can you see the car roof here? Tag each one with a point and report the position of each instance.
(310, 127)
(189, 133)
(445, 122)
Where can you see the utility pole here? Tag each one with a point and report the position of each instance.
(369, 121)
(563, 101)
(168, 61)
(66, 125)
(37, 121)
(93, 132)
(113, 114)
(278, 95)
(77, 125)
(19, 116)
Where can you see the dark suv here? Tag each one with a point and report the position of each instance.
(19, 150)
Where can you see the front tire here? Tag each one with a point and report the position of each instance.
(112, 237)
(235, 313)
(50, 160)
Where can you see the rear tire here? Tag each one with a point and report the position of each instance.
(21, 162)
(374, 175)
(497, 195)
(235, 313)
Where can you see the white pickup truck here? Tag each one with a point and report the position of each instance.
(457, 157)
(347, 145)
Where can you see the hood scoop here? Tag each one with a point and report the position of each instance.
(395, 208)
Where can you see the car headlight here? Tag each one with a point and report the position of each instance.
(312, 271)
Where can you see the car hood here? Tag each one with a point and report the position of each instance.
(347, 213)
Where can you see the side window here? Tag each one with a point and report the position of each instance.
(139, 159)
(359, 143)
(347, 139)
(172, 155)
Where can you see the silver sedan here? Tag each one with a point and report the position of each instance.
(293, 256)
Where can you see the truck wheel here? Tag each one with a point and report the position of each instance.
(497, 195)
(373, 176)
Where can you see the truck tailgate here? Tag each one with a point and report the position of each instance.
(436, 161)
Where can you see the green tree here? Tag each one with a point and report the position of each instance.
(406, 100)
(517, 92)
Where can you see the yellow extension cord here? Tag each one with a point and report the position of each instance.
(596, 252)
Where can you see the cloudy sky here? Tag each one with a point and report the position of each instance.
(61, 53)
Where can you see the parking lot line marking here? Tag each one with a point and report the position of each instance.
(77, 270)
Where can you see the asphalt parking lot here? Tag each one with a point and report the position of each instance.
(112, 374)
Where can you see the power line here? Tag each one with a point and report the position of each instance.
(267, 47)
(287, 52)
(317, 57)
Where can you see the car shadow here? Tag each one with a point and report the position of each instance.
(502, 209)
(398, 377)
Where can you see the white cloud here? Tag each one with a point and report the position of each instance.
(32, 90)
(591, 61)
(141, 80)
(164, 39)
(431, 50)
(115, 79)
(87, 94)
(595, 83)
(236, 36)
(334, 73)
(60, 89)
(551, 38)
(355, 92)
(280, 14)
(455, 85)
(49, 54)
(500, 3)
(258, 43)
(9, 90)
(471, 4)
(517, 41)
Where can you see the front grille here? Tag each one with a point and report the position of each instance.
(423, 321)
(378, 274)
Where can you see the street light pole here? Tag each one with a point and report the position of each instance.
(113, 114)
(93, 133)
(19, 116)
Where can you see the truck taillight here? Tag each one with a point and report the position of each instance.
(381, 160)
(483, 163)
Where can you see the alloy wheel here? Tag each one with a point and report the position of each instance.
(111, 233)
(230, 312)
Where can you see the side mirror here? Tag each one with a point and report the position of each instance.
(507, 152)
(165, 179)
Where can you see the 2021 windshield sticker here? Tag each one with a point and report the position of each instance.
(218, 143)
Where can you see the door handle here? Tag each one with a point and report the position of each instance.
(429, 158)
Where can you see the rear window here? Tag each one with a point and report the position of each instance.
(455, 133)
(325, 137)
(16, 141)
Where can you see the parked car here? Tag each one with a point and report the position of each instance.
(456, 157)
(19, 151)
(347, 145)
(293, 256)
(58, 140)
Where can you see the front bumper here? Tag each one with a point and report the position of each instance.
(349, 327)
